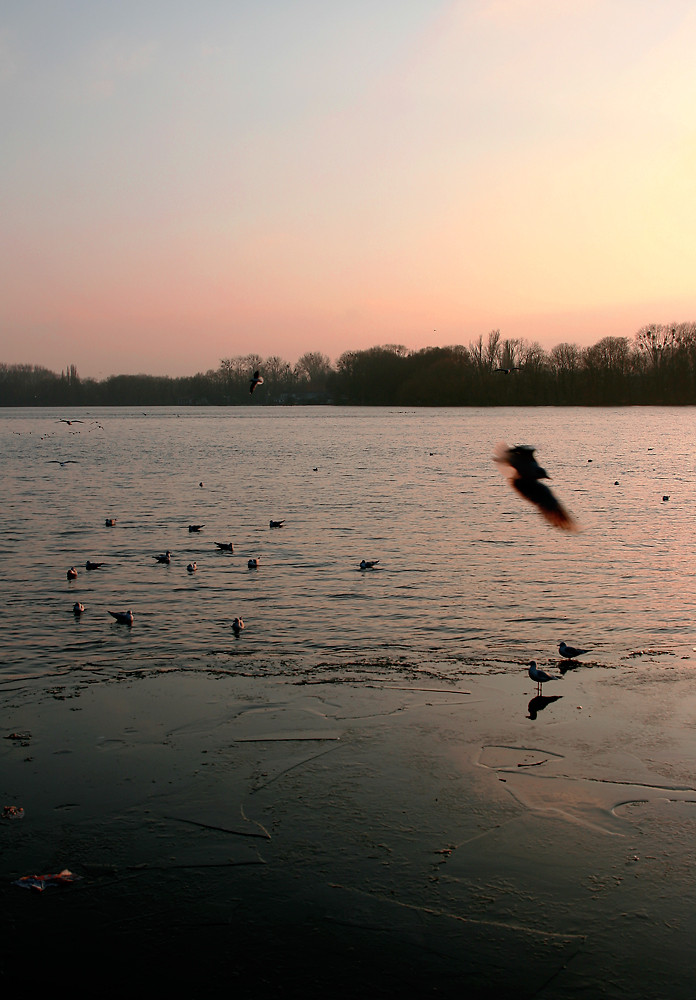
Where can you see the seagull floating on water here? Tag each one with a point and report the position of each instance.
(276, 524)
(368, 563)
(257, 379)
(196, 527)
(570, 652)
(253, 564)
(164, 557)
(93, 565)
(525, 480)
(78, 608)
(225, 546)
(72, 573)
(237, 626)
(541, 676)
(110, 522)
(192, 567)
(124, 617)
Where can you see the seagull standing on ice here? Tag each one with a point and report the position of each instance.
(541, 676)
(570, 652)
(526, 473)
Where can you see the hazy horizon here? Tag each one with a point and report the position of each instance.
(183, 184)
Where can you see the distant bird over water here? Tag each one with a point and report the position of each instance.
(124, 617)
(541, 676)
(368, 563)
(256, 379)
(526, 473)
(570, 652)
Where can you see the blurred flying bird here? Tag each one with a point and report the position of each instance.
(69, 422)
(526, 473)
(256, 380)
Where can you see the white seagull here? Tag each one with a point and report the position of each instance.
(570, 652)
(541, 676)
(124, 617)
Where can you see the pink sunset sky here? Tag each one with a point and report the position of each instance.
(183, 182)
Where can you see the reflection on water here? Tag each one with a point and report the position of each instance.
(469, 575)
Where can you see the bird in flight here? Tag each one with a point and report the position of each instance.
(69, 422)
(524, 475)
(256, 379)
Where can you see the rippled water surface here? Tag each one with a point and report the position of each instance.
(469, 576)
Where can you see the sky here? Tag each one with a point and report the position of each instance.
(185, 182)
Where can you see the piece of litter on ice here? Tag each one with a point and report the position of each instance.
(12, 812)
(41, 882)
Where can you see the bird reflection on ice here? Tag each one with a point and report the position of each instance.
(539, 703)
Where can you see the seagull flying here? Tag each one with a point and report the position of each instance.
(524, 475)
(541, 676)
(257, 379)
(570, 652)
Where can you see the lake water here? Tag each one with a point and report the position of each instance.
(470, 578)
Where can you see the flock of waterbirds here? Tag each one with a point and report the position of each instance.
(524, 475)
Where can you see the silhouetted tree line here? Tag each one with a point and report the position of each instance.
(656, 366)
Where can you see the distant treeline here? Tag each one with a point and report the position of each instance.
(656, 366)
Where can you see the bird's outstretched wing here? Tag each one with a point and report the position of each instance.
(524, 474)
